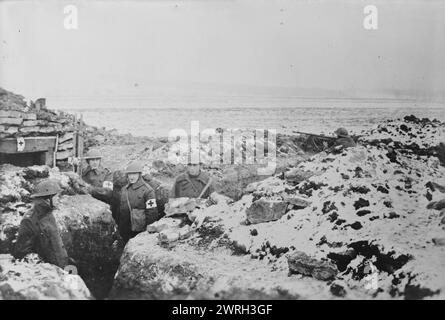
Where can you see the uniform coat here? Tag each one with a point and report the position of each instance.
(138, 195)
(191, 186)
(96, 178)
(38, 233)
(345, 142)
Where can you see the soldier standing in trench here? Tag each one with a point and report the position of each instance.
(38, 232)
(194, 183)
(99, 177)
(137, 204)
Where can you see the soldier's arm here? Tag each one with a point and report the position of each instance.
(151, 209)
(25, 240)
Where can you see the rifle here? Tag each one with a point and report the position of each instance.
(313, 142)
(315, 135)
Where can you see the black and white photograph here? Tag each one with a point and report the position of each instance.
(237, 151)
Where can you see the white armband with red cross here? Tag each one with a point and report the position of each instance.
(150, 204)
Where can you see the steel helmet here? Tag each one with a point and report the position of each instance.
(135, 167)
(341, 132)
(46, 188)
(93, 154)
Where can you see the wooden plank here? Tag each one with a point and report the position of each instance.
(32, 144)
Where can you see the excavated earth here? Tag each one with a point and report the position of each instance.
(349, 225)
(353, 224)
(87, 228)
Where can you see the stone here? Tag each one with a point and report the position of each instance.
(13, 121)
(29, 123)
(179, 206)
(29, 129)
(185, 232)
(12, 130)
(163, 224)
(439, 241)
(296, 175)
(22, 280)
(300, 263)
(10, 114)
(29, 116)
(168, 236)
(217, 198)
(437, 205)
(297, 202)
(151, 271)
(87, 228)
(264, 210)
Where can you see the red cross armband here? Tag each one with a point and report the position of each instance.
(150, 204)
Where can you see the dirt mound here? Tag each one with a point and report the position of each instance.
(357, 227)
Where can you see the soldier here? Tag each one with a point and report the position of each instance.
(343, 140)
(100, 178)
(193, 183)
(38, 232)
(137, 204)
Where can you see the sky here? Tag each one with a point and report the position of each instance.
(146, 49)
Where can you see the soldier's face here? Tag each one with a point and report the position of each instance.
(193, 169)
(94, 163)
(133, 177)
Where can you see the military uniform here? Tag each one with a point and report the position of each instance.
(38, 233)
(140, 196)
(191, 186)
(96, 177)
(101, 180)
(345, 142)
(162, 194)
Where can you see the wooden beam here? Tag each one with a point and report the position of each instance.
(32, 144)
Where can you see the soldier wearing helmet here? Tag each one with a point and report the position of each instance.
(342, 141)
(194, 183)
(100, 178)
(94, 173)
(343, 138)
(38, 232)
(138, 206)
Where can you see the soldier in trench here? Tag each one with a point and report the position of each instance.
(100, 178)
(138, 207)
(38, 232)
(194, 183)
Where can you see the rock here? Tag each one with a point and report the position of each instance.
(264, 210)
(20, 280)
(296, 175)
(179, 206)
(163, 224)
(337, 290)
(168, 236)
(297, 202)
(13, 121)
(299, 262)
(151, 271)
(185, 232)
(30, 123)
(439, 241)
(10, 114)
(87, 228)
(89, 234)
(437, 205)
(217, 198)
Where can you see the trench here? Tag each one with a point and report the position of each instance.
(97, 257)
